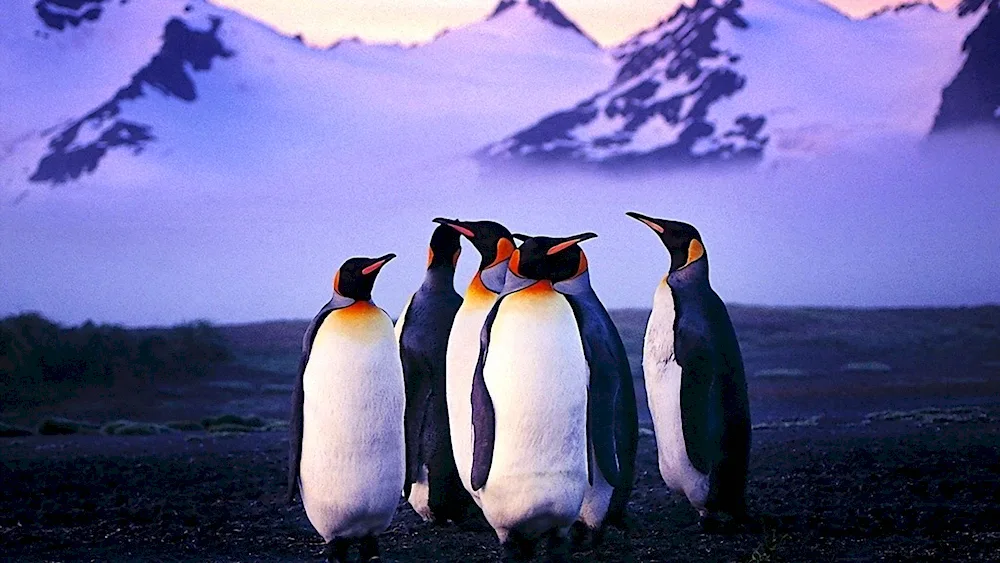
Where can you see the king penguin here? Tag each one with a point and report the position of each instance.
(696, 383)
(347, 445)
(554, 430)
(435, 490)
(495, 245)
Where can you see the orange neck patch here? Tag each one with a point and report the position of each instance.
(359, 311)
(541, 288)
(478, 293)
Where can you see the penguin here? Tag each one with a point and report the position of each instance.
(695, 382)
(495, 245)
(612, 381)
(554, 432)
(434, 488)
(347, 444)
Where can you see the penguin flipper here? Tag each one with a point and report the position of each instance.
(298, 399)
(701, 399)
(418, 390)
(612, 428)
(483, 415)
(295, 433)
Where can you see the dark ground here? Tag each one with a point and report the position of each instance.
(885, 491)
(831, 479)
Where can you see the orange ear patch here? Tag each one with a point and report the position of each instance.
(583, 265)
(454, 259)
(695, 251)
(515, 262)
(430, 256)
(504, 250)
(336, 282)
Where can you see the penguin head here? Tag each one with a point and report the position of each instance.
(682, 240)
(445, 247)
(493, 241)
(355, 279)
(550, 259)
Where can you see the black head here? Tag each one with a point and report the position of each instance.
(551, 259)
(682, 240)
(356, 277)
(445, 247)
(492, 240)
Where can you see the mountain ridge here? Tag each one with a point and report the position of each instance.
(701, 86)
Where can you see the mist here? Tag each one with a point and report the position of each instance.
(892, 224)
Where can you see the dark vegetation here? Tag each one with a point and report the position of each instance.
(42, 362)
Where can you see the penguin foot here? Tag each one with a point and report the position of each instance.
(585, 538)
(368, 549)
(518, 548)
(627, 523)
(718, 523)
(336, 550)
(558, 547)
(473, 521)
(579, 535)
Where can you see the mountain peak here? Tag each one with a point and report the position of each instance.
(543, 9)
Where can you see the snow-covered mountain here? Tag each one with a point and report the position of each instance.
(973, 97)
(264, 163)
(728, 80)
(216, 79)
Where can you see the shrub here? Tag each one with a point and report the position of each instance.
(12, 431)
(60, 426)
(43, 362)
(211, 423)
(131, 428)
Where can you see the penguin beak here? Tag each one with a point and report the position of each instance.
(570, 241)
(457, 225)
(649, 221)
(377, 264)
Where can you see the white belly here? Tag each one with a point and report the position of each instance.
(461, 360)
(537, 376)
(663, 388)
(353, 455)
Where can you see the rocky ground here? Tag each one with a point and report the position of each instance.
(913, 486)
(877, 438)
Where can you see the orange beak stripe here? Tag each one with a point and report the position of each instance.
(373, 268)
(652, 225)
(462, 230)
(562, 246)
